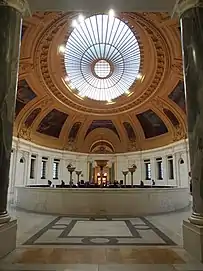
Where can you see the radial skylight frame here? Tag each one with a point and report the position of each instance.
(102, 58)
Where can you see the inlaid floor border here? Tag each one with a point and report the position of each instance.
(88, 240)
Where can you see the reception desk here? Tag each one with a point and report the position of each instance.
(101, 201)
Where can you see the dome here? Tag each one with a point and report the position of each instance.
(102, 58)
(100, 83)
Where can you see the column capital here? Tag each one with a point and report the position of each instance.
(183, 5)
(21, 6)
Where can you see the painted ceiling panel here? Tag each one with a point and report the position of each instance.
(102, 147)
(24, 95)
(178, 95)
(52, 124)
(108, 124)
(44, 65)
(129, 130)
(24, 28)
(74, 131)
(31, 118)
(152, 124)
(171, 117)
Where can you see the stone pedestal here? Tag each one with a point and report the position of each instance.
(193, 239)
(7, 237)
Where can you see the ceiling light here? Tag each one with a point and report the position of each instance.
(74, 23)
(67, 79)
(82, 95)
(110, 102)
(81, 18)
(139, 76)
(62, 49)
(71, 86)
(111, 13)
(131, 93)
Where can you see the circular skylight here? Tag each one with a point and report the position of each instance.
(102, 58)
(102, 68)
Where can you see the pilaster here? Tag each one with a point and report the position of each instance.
(38, 169)
(165, 170)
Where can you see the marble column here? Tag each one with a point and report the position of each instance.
(191, 20)
(11, 13)
(10, 30)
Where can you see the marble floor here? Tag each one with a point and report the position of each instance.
(46, 242)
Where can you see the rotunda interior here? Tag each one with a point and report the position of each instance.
(100, 162)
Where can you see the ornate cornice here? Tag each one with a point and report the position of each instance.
(20, 5)
(43, 67)
(47, 79)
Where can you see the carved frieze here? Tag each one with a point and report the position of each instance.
(25, 133)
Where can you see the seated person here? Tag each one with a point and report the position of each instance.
(115, 184)
(62, 183)
(153, 182)
(141, 184)
(49, 183)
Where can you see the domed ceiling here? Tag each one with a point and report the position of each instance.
(100, 84)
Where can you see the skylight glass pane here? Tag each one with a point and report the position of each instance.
(102, 58)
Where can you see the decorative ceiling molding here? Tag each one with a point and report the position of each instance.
(42, 66)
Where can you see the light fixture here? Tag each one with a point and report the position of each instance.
(131, 93)
(67, 79)
(111, 13)
(62, 49)
(139, 76)
(71, 86)
(82, 95)
(81, 18)
(110, 102)
(74, 23)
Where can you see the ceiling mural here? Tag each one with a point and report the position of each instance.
(31, 118)
(107, 124)
(178, 95)
(171, 117)
(129, 130)
(24, 95)
(102, 147)
(105, 103)
(52, 124)
(74, 131)
(24, 28)
(152, 124)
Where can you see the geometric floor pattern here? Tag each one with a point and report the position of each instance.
(92, 231)
(46, 242)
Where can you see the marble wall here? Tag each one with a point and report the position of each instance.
(102, 202)
(21, 163)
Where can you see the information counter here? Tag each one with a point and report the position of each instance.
(101, 201)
